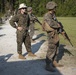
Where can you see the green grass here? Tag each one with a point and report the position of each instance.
(69, 24)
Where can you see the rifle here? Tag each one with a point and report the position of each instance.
(63, 32)
(36, 19)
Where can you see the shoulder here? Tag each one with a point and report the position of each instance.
(14, 18)
(47, 15)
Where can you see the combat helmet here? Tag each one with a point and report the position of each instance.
(29, 9)
(51, 5)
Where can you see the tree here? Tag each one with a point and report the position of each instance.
(65, 7)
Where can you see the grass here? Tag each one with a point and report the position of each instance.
(69, 24)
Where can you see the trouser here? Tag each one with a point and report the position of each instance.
(52, 51)
(23, 37)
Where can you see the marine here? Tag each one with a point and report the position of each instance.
(53, 36)
(32, 23)
(21, 23)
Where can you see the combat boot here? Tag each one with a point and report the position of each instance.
(31, 54)
(21, 56)
(50, 68)
(55, 64)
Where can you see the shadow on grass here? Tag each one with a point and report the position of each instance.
(24, 67)
(62, 50)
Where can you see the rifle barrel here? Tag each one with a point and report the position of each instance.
(71, 43)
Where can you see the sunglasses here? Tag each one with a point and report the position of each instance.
(24, 8)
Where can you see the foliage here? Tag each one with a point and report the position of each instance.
(65, 7)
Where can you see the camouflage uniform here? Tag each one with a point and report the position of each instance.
(53, 39)
(31, 27)
(32, 22)
(22, 36)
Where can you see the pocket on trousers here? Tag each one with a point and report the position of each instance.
(56, 38)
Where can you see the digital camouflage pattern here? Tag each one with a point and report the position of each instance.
(53, 38)
(29, 9)
(51, 5)
(22, 20)
(31, 27)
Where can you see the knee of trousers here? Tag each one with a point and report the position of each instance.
(51, 51)
(51, 46)
(50, 54)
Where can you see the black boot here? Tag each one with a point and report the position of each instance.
(49, 68)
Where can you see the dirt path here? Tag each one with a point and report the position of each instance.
(11, 65)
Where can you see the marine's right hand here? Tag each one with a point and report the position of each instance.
(19, 28)
(59, 25)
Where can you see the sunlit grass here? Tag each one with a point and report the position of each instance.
(69, 24)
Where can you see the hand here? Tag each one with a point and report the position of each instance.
(59, 25)
(19, 28)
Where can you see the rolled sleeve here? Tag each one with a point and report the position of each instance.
(13, 21)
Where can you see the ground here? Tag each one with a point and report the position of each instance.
(11, 65)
